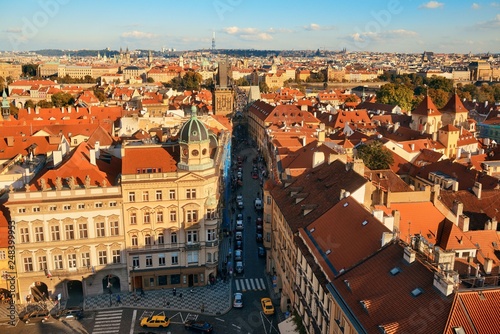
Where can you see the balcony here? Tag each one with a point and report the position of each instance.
(192, 246)
(213, 243)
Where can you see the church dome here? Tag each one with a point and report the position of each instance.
(193, 130)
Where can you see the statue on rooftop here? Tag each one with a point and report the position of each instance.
(43, 184)
(87, 181)
(59, 183)
(72, 183)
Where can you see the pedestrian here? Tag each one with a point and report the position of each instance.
(174, 291)
(142, 293)
(118, 300)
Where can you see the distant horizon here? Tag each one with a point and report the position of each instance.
(391, 26)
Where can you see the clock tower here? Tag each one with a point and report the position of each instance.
(224, 101)
(194, 142)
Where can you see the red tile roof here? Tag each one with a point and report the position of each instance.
(388, 298)
(426, 108)
(454, 105)
(140, 157)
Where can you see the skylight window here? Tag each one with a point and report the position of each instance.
(365, 222)
(328, 252)
(346, 204)
(312, 230)
(394, 271)
(417, 292)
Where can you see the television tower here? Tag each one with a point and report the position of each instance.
(213, 41)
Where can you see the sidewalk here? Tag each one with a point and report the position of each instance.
(210, 299)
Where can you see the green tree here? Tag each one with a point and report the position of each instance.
(438, 82)
(3, 84)
(29, 70)
(62, 99)
(45, 104)
(263, 87)
(29, 104)
(208, 84)
(99, 93)
(393, 94)
(375, 155)
(150, 80)
(14, 111)
(191, 80)
(439, 97)
(351, 98)
(242, 82)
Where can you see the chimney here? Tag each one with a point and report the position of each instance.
(397, 218)
(412, 147)
(56, 157)
(69, 109)
(488, 265)
(29, 110)
(10, 141)
(37, 110)
(77, 109)
(304, 140)
(97, 147)
(455, 185)
(62, 110)
(92, 154)
(477, 189)
(321, 136)
(386, 238)
(318, 159)
(409, 255)
(458, 208)
(359, 167)
(494, 224)
(396, 126)
(329, 118)
(463, 222)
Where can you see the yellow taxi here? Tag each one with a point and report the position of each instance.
(267, 306)
(157, 321)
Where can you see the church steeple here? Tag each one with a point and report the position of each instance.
(5, 106)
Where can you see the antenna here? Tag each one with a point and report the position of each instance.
(213, 41)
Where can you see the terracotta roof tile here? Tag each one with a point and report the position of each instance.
(426, 107)
(149, 157)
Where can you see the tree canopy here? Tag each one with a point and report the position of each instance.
(62, 99)
(396, 94)
(375, 155)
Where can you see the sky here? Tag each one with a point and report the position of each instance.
(408, 26)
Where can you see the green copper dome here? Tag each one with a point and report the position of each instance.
(193, 130)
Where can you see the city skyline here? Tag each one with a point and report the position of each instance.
(388, 26)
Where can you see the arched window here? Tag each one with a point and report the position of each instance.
(135, 241)
(147, 240)
(161, 239)
(173, 238)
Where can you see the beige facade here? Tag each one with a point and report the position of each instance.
(68, 241)
(11, 70)
(224, 101)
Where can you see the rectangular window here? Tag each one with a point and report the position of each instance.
(52, 208)
(135, 262)
(25, 234)
(173, 238)
(161, 239)
(112, 204)
(161, 260)
(268, 236)
(192, 257)
(58, 262)
(98, 204)
(116, 256)
(173, 216)
(147, 218)
(211, 235)
(85, 259)
(192, 236)
(159, 216)
(113, 227)
(72, 260)
(133, 218)
(70, 233)
(192, 216)
(36, 209)
(171, 194)
(145, 196)
(210, 213)
(191, 193)
(175, 258)
(42, 262)
(149, 260)
(81, 206)
(103, 257)
(131, 196)
(100, 229)
(82, 228)
(39, 234)
(268, 200)
(66, 207)
(54, 233)
(21, 210)
(28, 264)
(159, 195)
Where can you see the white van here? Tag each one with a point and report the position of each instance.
(258, 204)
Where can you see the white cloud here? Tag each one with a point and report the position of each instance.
(262, 36)
(432, 5)
(384, 35)
(495, 4)
(494, 23)
(312, 26)
(398, 33)
(138, 34)
(279, 30)
(475, 5)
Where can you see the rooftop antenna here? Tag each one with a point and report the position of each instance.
(213, 41)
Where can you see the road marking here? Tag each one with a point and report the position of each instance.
(237, 285)
(236, 326)
(247, 284)
(220, 319)
(132, 325)
(263, 284)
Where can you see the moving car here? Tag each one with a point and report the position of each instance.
(258, 237)
(239, 244)
(258, 204)
(261, 251)
(35, 316)
(239, 267)
(238, 235)
(200, 326)
(267, 306)
(160, 321)
(238, 300)
(238, 255)
(70, 313)
(239, 225)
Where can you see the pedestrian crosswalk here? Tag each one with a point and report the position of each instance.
(245, 284)
(107, 322)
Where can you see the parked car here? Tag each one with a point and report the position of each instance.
(35, 316)
(70, 313)
(158, 321)
(238, 235)
(200, 326)
(238, 255)
(258, 237)
(267, 306)
(239, 244)
(239, 267)
(238, 300)
(258, 204)
(261, 251)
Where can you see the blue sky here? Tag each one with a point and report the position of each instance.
(358, 25)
